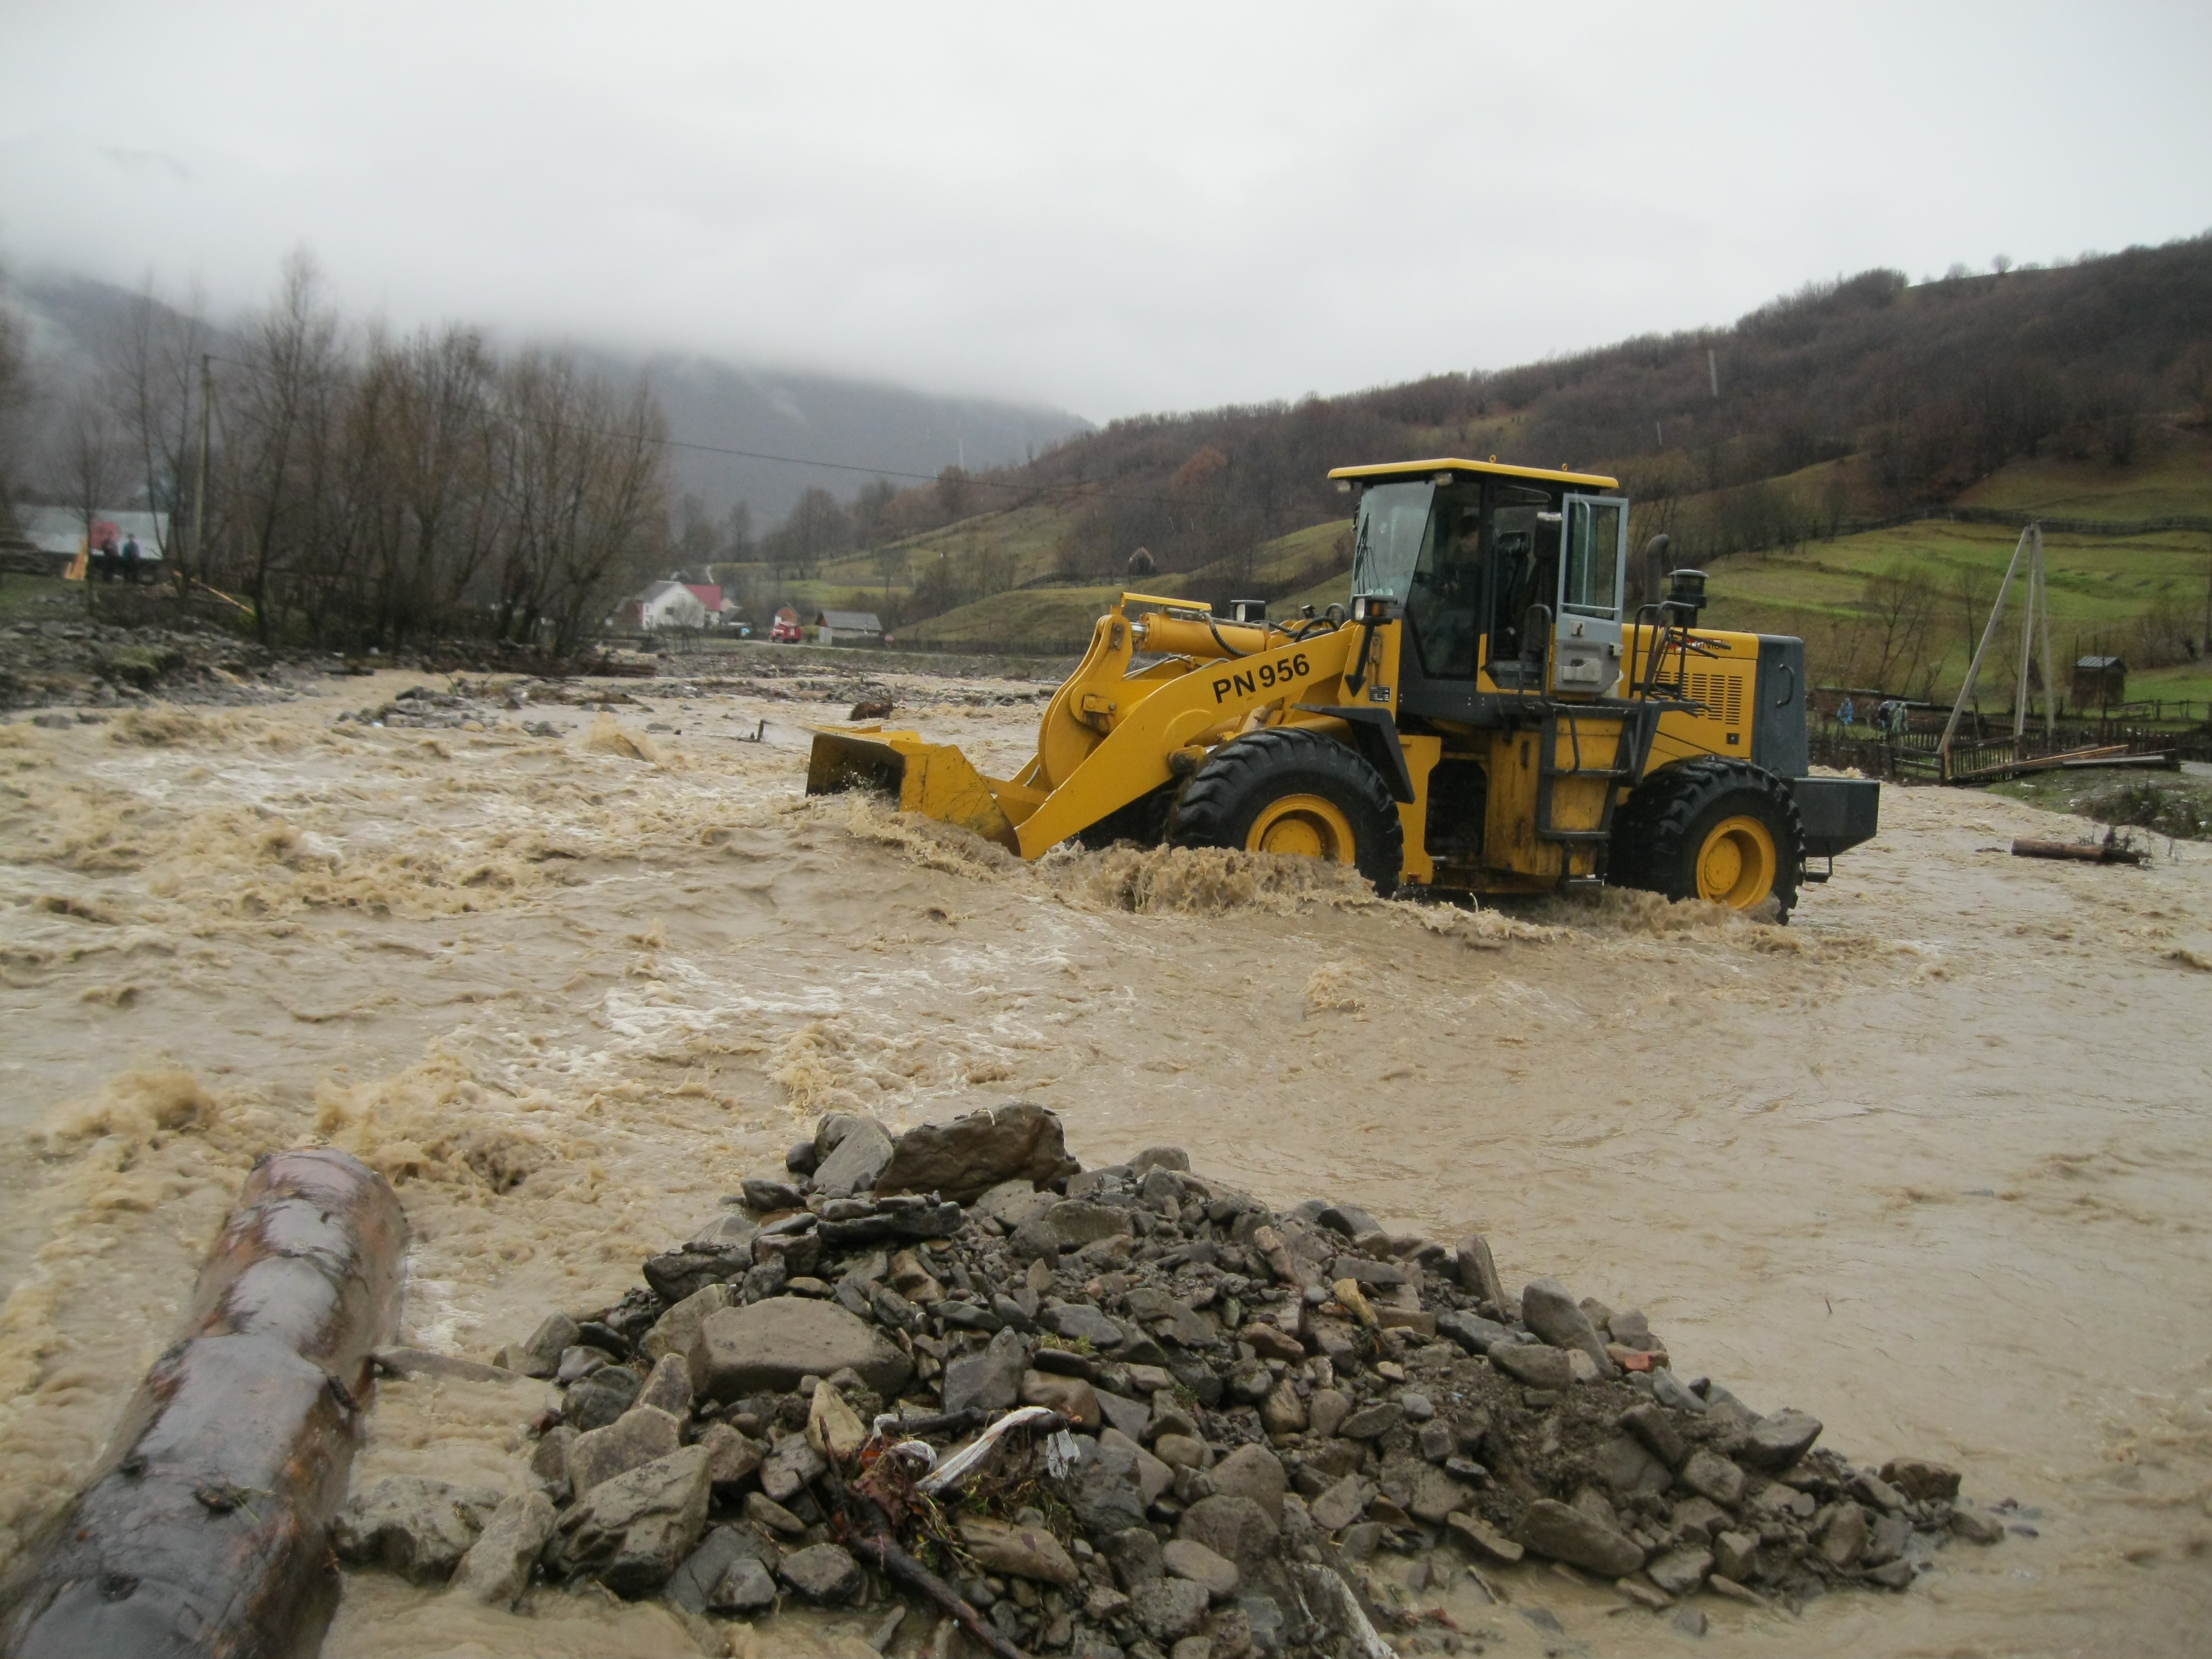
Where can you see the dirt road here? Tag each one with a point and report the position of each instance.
(1931, 1163)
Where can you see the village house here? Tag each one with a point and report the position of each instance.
(675, 603)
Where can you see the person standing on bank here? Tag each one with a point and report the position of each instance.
(130, 561)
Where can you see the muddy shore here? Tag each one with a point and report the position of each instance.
(1931, 1161)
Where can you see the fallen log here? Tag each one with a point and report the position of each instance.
(204, 1530)
(2087, 852)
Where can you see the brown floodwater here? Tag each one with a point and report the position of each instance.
(1931, 1163)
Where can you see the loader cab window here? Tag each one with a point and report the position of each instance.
(1445, 606)
(1392, 538)
(1524, 572)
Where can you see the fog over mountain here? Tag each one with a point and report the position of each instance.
(867, 427)
(859, 427)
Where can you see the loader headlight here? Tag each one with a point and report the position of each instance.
(1250, 611)
(1369, 609)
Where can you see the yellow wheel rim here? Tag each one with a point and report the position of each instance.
(1305, 827)
(1737, 865)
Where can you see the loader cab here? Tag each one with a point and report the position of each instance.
(1509, 578)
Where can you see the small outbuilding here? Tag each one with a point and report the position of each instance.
(848, 627)
(2098, 681)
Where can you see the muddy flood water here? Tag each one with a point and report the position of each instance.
(1932, 1163)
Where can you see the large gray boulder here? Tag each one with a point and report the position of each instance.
(990, 1378)
(1236, 1529)
(747, 1587)
(1478, 1271)
(1549, 1309)
(1473, 1332)
(1534, 1366)
(699, 1583)
(631, 1533)
(684, 1272)
(1777, 1442)
(1068, 1226)
(1186, 1558)
(1709, 1474)
(1168, 1609)
(968, 1156)
(416, 1528)
(823, 1572)
(542, 1352)
(631, 1441)
(1579, 1538)
(791, 1468)
(1104, 1492)
(766, 1347)
(1255, 1472)
(676, 1331)
(853, 1152)
(496, 1569)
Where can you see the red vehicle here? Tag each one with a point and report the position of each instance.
(784, 630)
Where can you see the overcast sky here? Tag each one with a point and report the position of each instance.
(1112, 209)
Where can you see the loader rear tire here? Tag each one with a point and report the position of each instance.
(1722, 830)
(1294, 792)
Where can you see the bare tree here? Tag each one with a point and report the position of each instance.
(17, 391)
(585, 482)
(93, 465)
(152, 362)
(1835, 499)
(1900, 605)
(737, 532)
(955, 495)
(1971, 594)
(892, 563)
(872, 512)
(292, 354)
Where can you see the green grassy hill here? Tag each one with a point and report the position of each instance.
(1835, 486)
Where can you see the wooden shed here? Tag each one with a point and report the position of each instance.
(2098, 681)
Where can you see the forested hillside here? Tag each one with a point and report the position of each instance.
(1805, 439)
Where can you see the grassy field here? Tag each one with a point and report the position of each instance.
(39, 598)
(2100, 584)
(1058, 615)
(2173, 480)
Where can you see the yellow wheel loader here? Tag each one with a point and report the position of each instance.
(1486, 718)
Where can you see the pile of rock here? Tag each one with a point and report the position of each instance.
(1243, 1410)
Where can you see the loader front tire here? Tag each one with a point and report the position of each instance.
(1722, 830)
(1294, 792)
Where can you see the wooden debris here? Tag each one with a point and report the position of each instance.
(2111, 850)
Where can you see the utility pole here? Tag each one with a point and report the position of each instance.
(1713, 372)
(2031, 536)
(200, 483)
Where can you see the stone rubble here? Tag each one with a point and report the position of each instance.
(1257, 1405)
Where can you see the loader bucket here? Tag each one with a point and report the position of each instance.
(933, 779)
